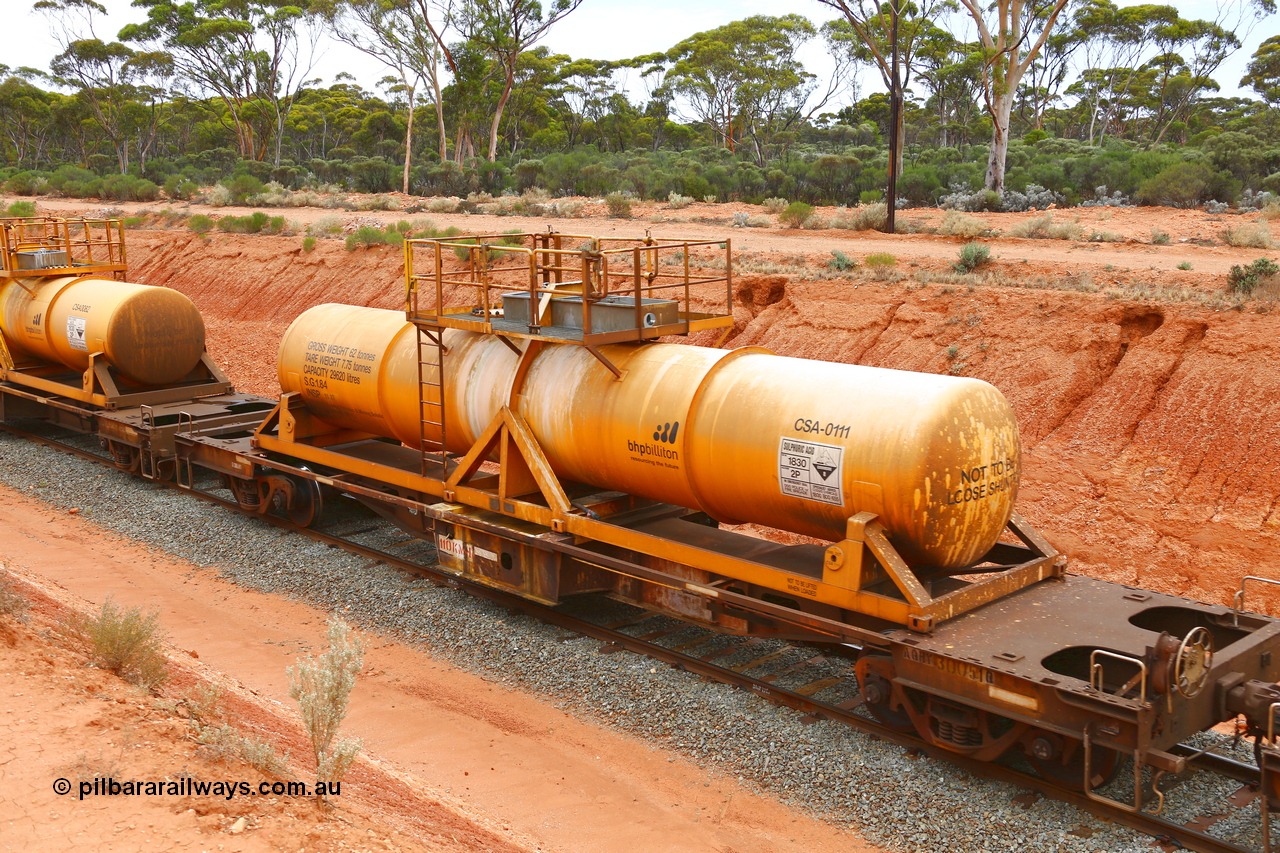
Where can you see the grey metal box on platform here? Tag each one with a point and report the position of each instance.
(610, 314)
(41, 259)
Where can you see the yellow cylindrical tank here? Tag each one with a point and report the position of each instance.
(152, 335)
(744, 435)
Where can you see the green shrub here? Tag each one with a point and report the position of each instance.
(366, 235)
(881, 261)
(200, 223)
(1185, 265)
(1159, 238)
(22, 209)
(71, 180)
(796, 214)
(841, 262)
(1244, 280)
(331, 224)
(240, 187)
(619, 205)
(274, 225)
(169, 218)
(127, 642)
(1187, 185)
(972, 256)
(180, 187)
(308, 243)
(129, 188)
(134, 221)
(224, 743)
(250, 224)
(26, 183)
(377, 202)
(461, 252)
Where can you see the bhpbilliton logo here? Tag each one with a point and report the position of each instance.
(667, 433)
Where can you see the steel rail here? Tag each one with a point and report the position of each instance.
(1143, 822)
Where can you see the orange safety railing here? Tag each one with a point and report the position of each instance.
(44, 246)
(460, 282)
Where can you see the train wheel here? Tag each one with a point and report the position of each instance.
(877, 693)
(1060, 762)
(307, 504)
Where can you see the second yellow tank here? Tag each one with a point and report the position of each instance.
(744, 435)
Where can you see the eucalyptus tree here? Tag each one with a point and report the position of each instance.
(122, 87)
(1012, 34)
(1263, 73)
(504, 30)
(252, 55)
(948, 71)
(1190, 52)
(1049, 72)
(27, 114)
(745, 81)
(587, 94)
(1115, 41)
(408, 37)
(890, 35)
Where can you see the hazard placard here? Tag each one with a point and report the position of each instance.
(811, 470)
(75, 333)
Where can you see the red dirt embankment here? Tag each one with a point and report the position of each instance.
(1151, 430)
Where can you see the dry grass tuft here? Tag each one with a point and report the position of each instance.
(1249, 235)
(126, 642)
(956, 223)
(12, 604)
(1045, 227)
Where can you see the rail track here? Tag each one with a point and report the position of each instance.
(816, 681)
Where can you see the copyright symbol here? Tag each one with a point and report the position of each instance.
(61, 786)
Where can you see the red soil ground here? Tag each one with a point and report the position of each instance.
(451, 761)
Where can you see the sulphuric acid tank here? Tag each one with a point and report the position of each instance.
(152, 335)
(744, 435)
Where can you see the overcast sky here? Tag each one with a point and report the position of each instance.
(599, 29)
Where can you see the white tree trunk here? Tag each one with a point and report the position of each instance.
(1001, 110)
(497, 113)
(408, 140)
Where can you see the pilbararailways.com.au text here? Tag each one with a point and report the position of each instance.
(189, 787)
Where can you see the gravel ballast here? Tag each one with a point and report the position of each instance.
(889, 795)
